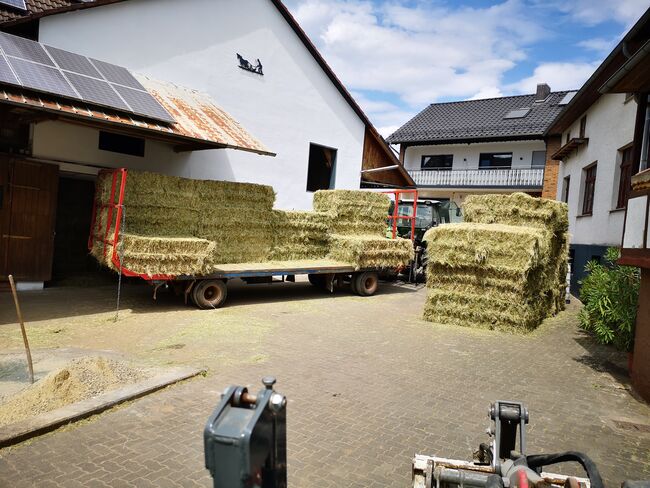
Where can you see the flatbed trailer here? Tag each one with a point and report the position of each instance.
(210, 290)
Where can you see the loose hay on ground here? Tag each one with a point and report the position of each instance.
(81, 379)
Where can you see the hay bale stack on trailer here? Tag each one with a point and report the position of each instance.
(300, 235)
(504, 268)
(171, 228)
(358, 229)
(176, 226)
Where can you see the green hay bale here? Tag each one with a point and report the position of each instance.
(491, 276)
(517, 209)
(239, 225)
(504, 268)
(474, 280)
(503, 249)
(158, 255)
(354, 212)
(487, 310)
(370, 251)
(300, 235)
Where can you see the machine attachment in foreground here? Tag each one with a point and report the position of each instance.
(245, 439)
(503, 463)
(246, 446)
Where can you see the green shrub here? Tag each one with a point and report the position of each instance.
(609, 294)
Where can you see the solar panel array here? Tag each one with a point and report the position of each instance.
(55, 71)
(15, 3)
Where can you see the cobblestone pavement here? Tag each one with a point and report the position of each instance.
(369, 384)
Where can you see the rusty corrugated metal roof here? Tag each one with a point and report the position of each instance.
(198, 117)
(200, 123)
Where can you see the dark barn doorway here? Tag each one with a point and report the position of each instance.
(73, 264)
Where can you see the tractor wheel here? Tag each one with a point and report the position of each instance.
(209, 294)
(366, 283)
(318, 280)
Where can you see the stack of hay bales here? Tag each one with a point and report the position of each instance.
(504, 268)
(358, 229)
(177, 226)
(238, 218)
(300, 235)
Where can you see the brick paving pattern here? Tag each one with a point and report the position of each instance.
(369, 384)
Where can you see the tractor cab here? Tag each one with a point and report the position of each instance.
(428, 213)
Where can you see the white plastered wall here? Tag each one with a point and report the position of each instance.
(466, 156)
(610, 127)
(194, 44)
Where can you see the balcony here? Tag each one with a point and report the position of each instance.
(511, 178)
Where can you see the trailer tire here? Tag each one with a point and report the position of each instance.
(353, 284)
(318, 280)
(209, 294)
(366, 283)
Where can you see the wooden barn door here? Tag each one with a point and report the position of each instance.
(27, 219)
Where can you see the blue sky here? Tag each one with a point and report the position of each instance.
(397, 56)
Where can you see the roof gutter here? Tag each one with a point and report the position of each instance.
(620, 47)
(630, 64)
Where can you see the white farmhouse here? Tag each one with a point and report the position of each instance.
(494, 145)
(219, 66)
(598, 158)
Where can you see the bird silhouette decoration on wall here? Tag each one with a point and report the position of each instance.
(245, 64)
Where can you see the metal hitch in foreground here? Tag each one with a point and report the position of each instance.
(245, 439)
(503, 463)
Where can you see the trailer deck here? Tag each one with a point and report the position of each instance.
(276, 268)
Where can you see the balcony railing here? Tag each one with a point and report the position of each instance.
(516, 178)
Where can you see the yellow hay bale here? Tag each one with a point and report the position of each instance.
(178, 226)
(370, 251)
(495, 247)
(517, 209)
(354, 212)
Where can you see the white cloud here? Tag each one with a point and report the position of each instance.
(487, 92)
(560, 76)
(420, 53)
(599, 44)
(593, 12)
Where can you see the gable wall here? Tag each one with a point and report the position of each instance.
(194, 44)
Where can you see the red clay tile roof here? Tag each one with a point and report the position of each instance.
(40, 8)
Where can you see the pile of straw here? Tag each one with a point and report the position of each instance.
(176, 226)
(504, 268)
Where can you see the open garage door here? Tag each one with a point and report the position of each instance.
(28, 192)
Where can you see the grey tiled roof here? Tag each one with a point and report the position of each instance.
(480, 120)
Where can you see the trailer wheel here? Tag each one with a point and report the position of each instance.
(209, 294)
(353, 284)
(366, 283)
(318, 280)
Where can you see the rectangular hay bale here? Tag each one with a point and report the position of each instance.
(370, 251)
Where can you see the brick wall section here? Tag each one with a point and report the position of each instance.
(552, 168)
